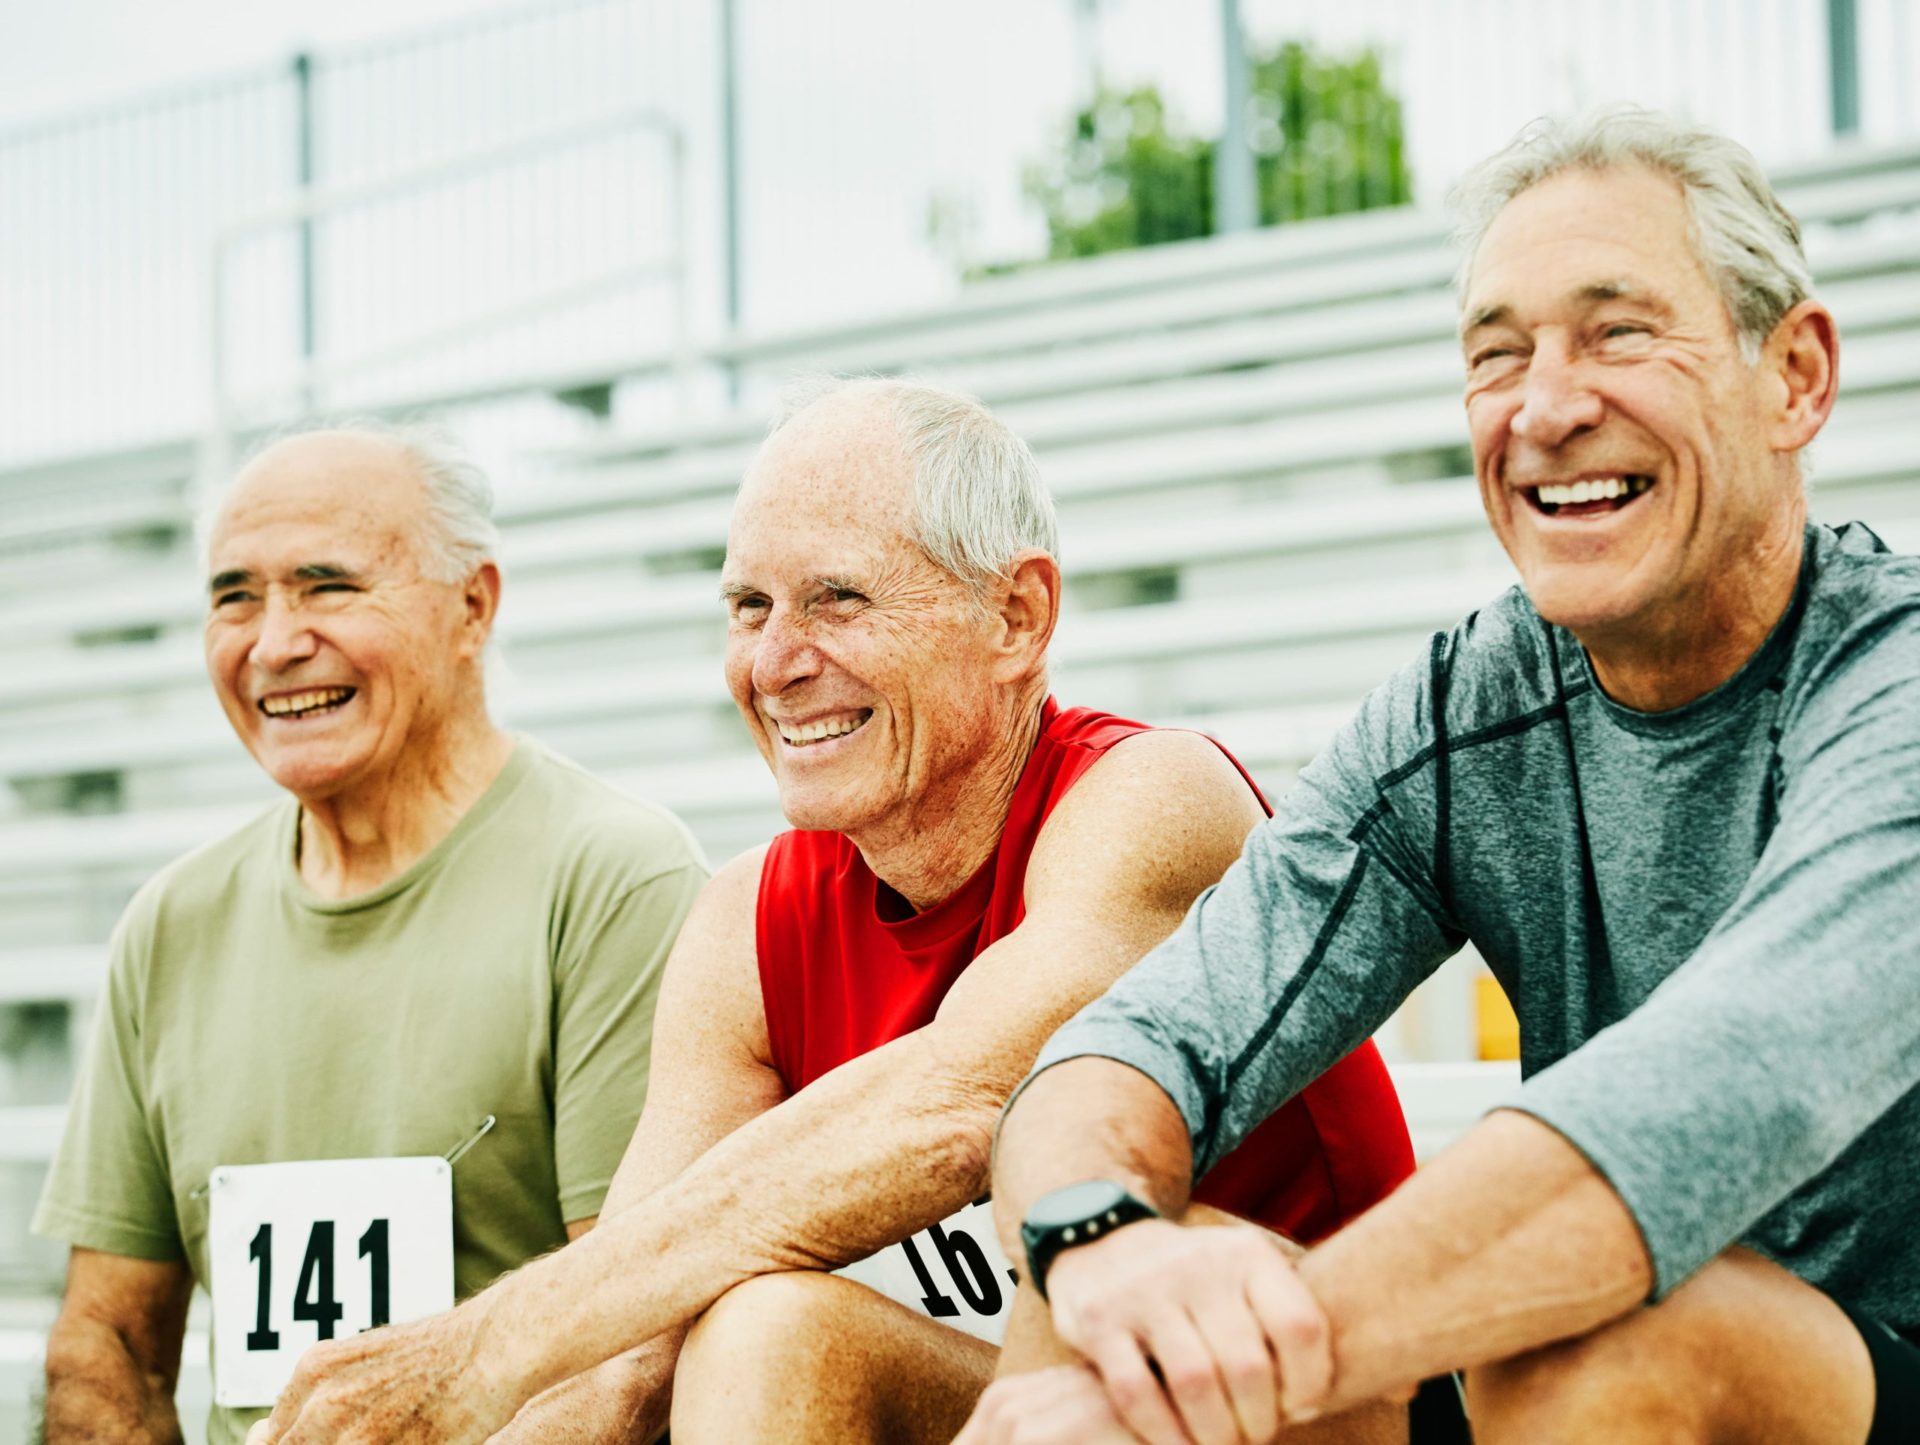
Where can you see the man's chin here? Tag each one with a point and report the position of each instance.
(310, 779)
(1583, 598)
(814, 819)
(815, 809)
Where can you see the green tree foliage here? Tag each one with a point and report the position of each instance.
(1123, 178)
(1327, 137)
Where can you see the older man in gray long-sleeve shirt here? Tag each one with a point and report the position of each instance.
(1671, 790)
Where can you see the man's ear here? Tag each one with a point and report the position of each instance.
(1802, 359)
(1027, 606)
(480, 597)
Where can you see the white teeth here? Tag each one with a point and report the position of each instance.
(298, 702)
(813, 732)
(1603, 490)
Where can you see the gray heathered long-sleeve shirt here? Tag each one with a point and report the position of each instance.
(1708, 921)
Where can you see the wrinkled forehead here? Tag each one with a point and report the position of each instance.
(841, 478)
(1584, 231)
(335, 490)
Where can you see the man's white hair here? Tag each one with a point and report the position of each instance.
(1748, 242)
(459, 534)
(977, 494)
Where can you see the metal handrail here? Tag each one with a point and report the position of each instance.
(226, 414)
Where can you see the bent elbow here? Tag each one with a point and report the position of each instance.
(953, 1089)
(970, 1149)
(959, 1113)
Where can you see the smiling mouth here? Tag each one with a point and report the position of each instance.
(311, 703)
(1588, 498)
(807, 734)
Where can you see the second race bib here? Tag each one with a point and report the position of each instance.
(316, 1250)
(953, 1271)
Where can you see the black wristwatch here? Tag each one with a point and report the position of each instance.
(1077, 1214)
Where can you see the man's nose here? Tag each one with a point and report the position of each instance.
(1557, 403)
(783, 652)
(285, 639)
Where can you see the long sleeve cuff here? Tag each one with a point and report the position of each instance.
(1123, 1045)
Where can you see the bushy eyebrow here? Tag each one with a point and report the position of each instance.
(1484, 316)
(1601, 291)
(1591, 294)
(306, 572)
(729, 591)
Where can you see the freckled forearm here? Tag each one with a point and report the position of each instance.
(97, 1392)
(1089, 1118)
(859, 1160)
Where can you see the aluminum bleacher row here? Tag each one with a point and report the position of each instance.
(1260, 459)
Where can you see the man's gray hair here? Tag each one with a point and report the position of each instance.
(977, 494)
(1747, 241)
(460, 533)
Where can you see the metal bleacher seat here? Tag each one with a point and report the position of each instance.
(72, 972)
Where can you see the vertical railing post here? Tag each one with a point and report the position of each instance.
(683, 358)
(1843, 65)
(216, 447)
(303, 178)
(730, 181)
(1086, 49)
(1235, 205)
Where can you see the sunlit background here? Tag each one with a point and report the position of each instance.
(1192, 250)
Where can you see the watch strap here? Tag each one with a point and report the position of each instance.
(1046, 1242)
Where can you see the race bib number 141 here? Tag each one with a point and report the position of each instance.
(316, 1250)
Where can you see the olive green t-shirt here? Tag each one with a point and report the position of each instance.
(511, 972)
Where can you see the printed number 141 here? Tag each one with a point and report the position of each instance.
(313, 1296)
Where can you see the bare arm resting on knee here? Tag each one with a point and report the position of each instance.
(712, 1072)
(882, 1146)
(1508, 1240)
(1045, 1392)
(113, 1356)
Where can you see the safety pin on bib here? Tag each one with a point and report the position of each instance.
(453, 1155)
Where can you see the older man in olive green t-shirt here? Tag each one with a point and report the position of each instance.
(446, 942)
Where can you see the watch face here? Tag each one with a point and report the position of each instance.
(1075, 1203)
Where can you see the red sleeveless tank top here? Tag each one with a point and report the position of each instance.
(846, 965)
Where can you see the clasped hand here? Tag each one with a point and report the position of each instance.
(412, 1384)
(1203, 1335)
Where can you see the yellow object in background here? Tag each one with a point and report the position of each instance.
(1494, 1020)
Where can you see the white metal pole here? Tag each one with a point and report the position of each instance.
(216, 448)
(1235, 206)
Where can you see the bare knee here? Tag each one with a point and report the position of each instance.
(1742, 1351)
(771, 1318)
(808, 1357)
(1626, 1381)
(759, 1355)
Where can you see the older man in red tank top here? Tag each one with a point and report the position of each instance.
(849, 1007)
